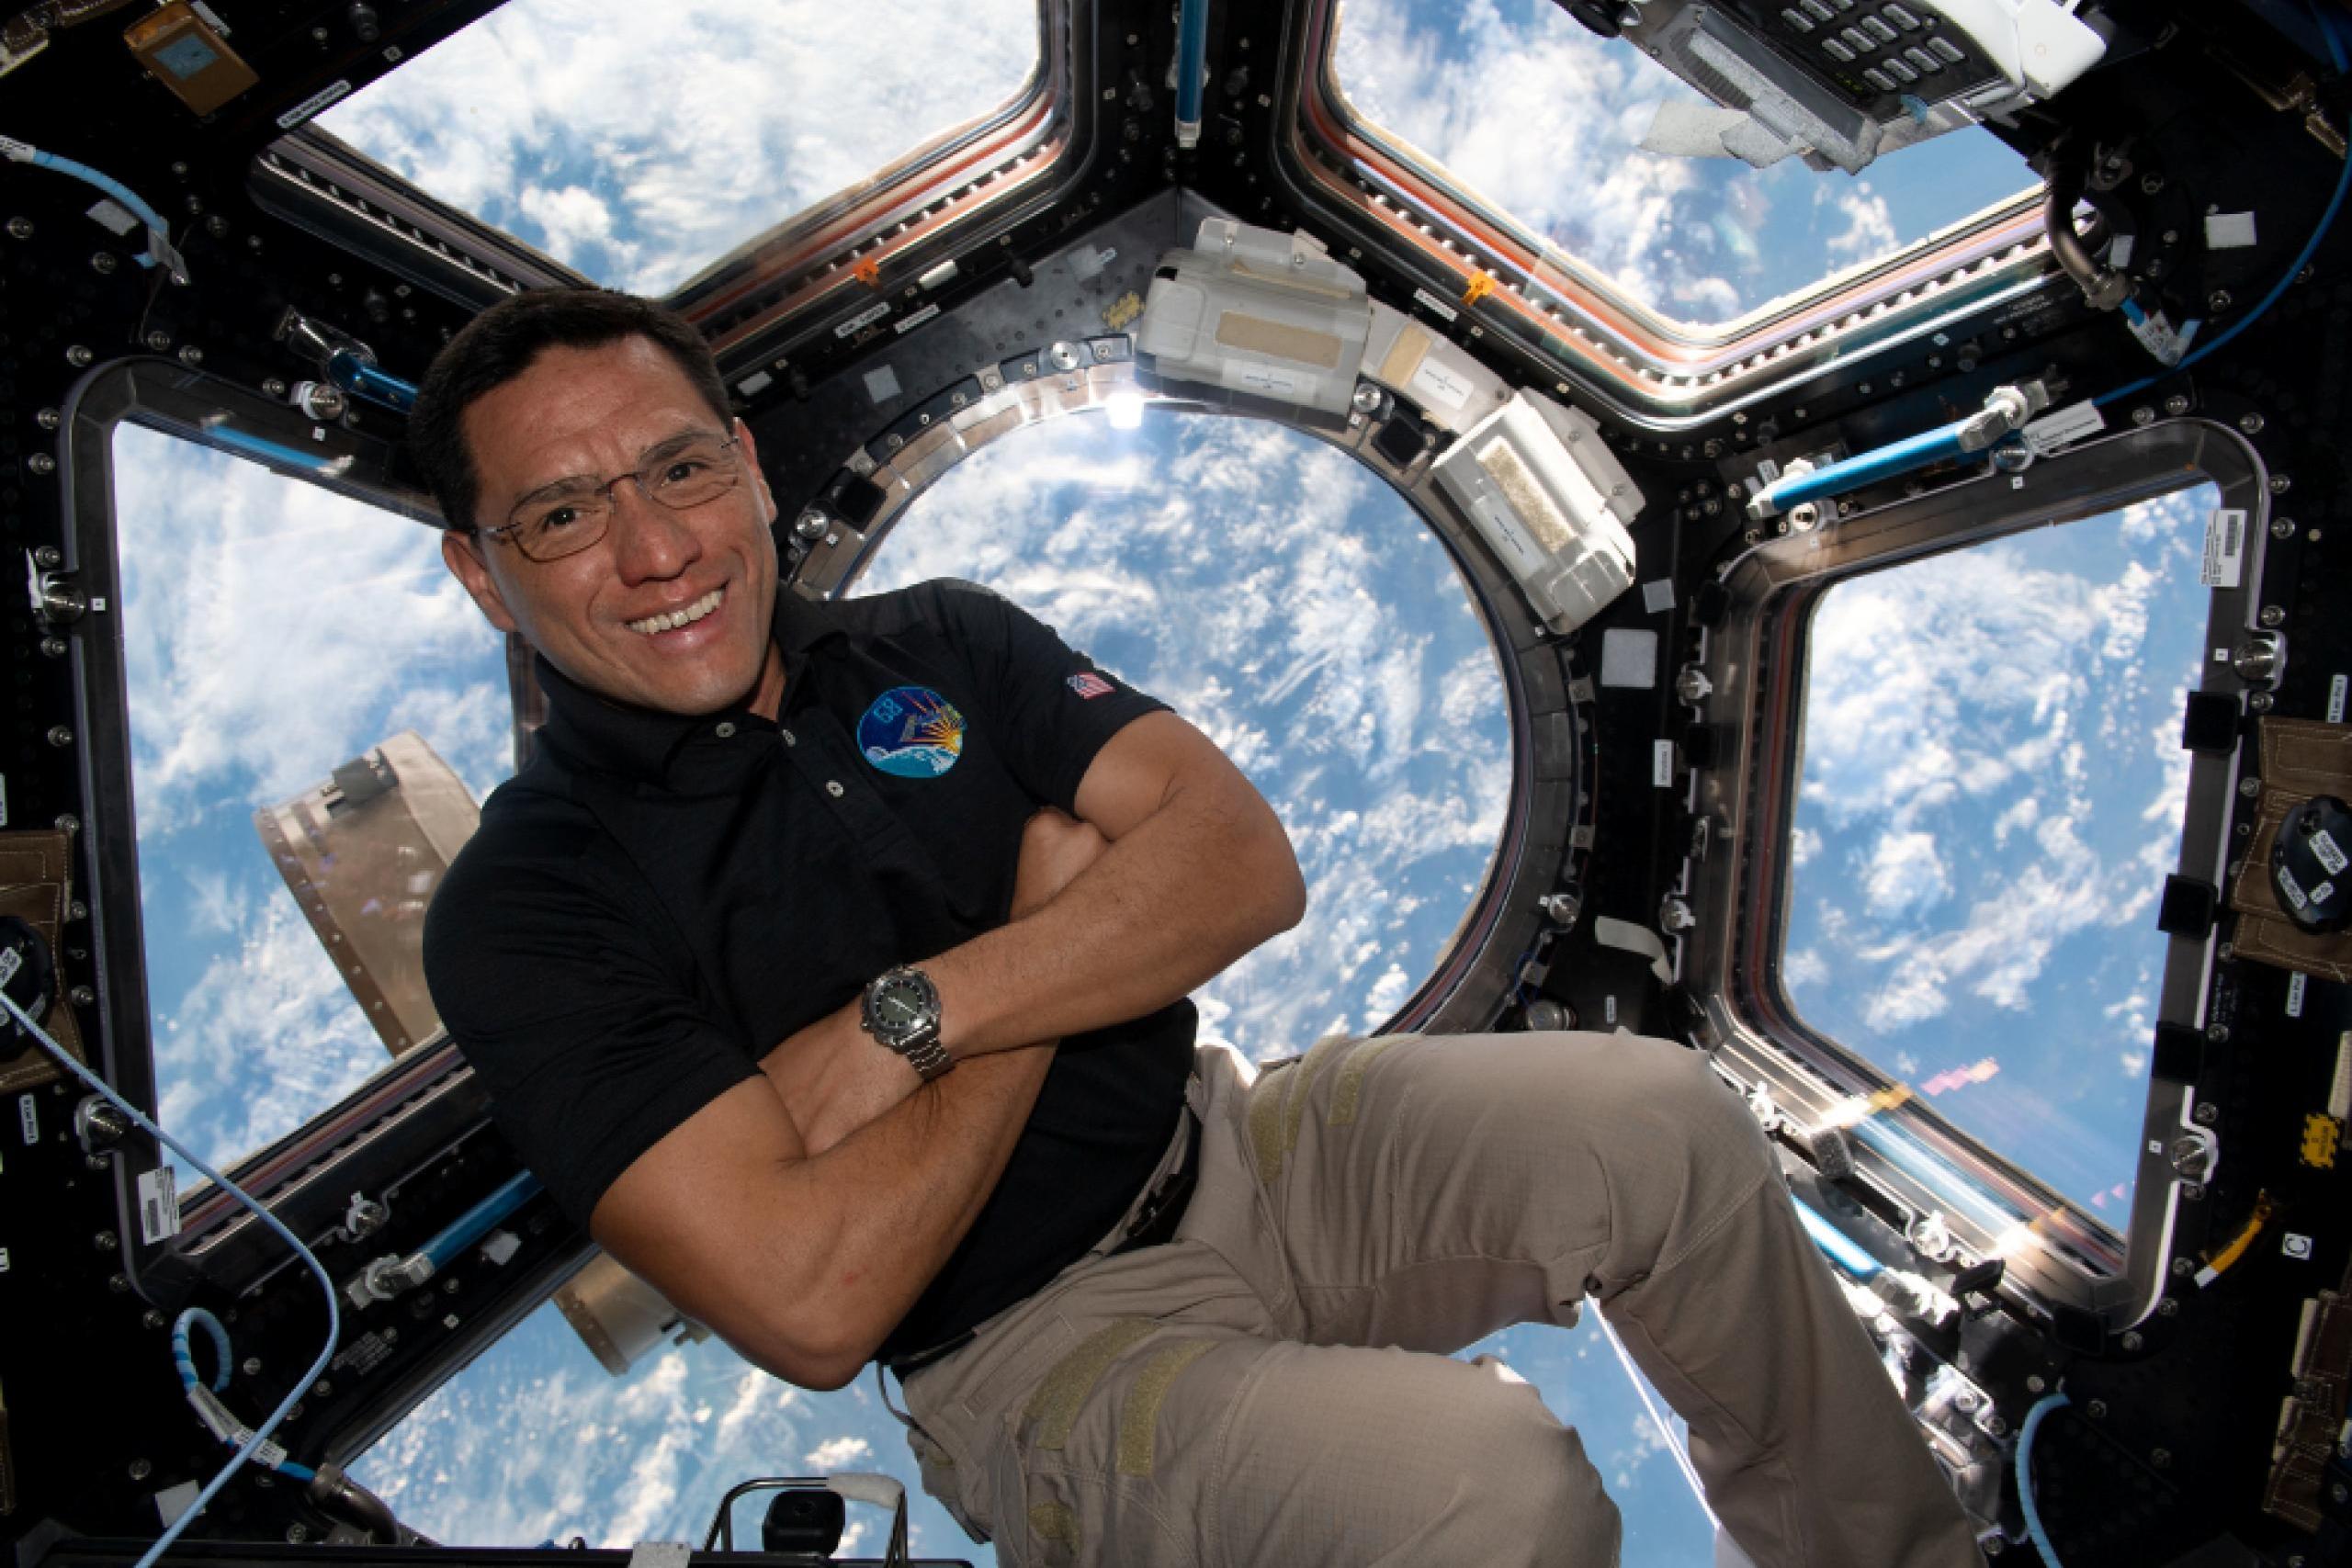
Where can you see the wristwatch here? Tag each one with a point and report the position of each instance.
(901, 1009)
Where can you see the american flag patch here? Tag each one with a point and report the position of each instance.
(1086, 683)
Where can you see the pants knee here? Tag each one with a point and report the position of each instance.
(1528, 1493)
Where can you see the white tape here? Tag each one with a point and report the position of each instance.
(1624, 935)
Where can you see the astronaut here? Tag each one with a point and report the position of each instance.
(827, 962)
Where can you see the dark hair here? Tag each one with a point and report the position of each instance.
(500, 345)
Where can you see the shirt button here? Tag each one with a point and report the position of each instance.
(726, 732)
(833, 789)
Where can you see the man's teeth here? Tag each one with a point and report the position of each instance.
(677, 618)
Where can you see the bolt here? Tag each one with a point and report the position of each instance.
(2339, 1494)
(392, 1335)
(119, 1283)
(1676, 916)
(812, 524)
(2206, 1115)
(2160, 1458)
(47, 556)
(2035, 1382)
(2273, 614)
(159, 340)
(2280, 484)
(297, 1532)
(250, 1366)
(1993, 1546)
(217, 226)
(2282, 527)
(41, 463)
(78, 911)
(2249, 786)
(2131, 1340)
(2251, 423)
(2260, 701)
(2096, 1409)
(103, 262)
(274, 387)
(60, 735)
(1995, 1426)
(2168, 1307)
(2183, 1268)
(78, 355)
(49, 418)
(2144, 415)
(20, 228)
(2217, 1033)
(191, 356)
(2151, 183)
(141, 1469)
(323, 1389)
(2176, 405)
(52, 647)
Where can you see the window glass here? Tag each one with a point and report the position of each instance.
(1991, 797)
(272, 630)
(1284, 600)
(1543, 121)
(638, 145)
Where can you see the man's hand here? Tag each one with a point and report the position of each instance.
(834, 1077)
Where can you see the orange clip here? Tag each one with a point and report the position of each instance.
(1478, 288)
(868, 271)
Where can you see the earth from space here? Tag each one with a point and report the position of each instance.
(1989, 783)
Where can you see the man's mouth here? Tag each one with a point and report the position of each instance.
(695, 612)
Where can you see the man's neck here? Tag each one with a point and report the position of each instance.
(767, 697)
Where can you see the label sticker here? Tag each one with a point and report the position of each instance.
(10, 962)
(911, 732)
(2119, 251)
(28, 1119)
(2335, 694)
(2296, 985)
(2290, 887)
(2229, 230)
(1438, 307)
(1267, 380)
(2331, 854)
(2323, 893)
(863, 319)
(110, 214)
(2296, 1245)
(158, 1205)
(2224, 549)
(1434, 383)
(1608, 1008)
(2068, 425)
(918, 319)
(1662, 763)
(326, 96)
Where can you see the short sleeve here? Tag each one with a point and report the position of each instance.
(1054, 707)
(555, 985)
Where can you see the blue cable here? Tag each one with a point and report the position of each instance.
(2034, 1419)
(25, 153)
(1192, 68)
(246, 1450)
(199, 1318)
(2285, 280)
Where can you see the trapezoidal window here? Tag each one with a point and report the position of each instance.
(643, 144)
(1538, 126)
(274, 632)
(1991, 796)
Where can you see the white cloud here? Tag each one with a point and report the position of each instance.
(1906, 874)
(1870, 225)
(838, 1453)
(1803, 969)
(640, 154)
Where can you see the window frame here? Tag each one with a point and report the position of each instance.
(1664, 375)
(1757, 658)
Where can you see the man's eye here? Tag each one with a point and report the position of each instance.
(555, 519)
(678, 470)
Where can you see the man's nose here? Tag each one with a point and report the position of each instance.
(649, 541)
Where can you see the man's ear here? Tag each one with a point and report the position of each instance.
(461, 553)
(759, 479)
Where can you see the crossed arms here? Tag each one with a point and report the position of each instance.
(800, 1213)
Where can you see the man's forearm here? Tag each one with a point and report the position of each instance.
(875, 1217)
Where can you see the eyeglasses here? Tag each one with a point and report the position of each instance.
(572, 514)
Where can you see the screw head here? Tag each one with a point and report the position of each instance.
(20, 228)
(141, 1469)
(2183, 1268)
(2151, 183)
(2282, 527)
(812, 524)
(151, 1318)
(2144, 415)
(2249, 786)
(2260, 701)
(2176, 405)
(2131, 1340)
(49, 418)
(251, 1367)
(78, 355)
(2096, 1409)
(60, 736)
(2035, 1382)
(2168, 1307)
(103, 262)
(191, 356)
(41, 463)
(2207, 1114)
(2251, 423)
(52, 647)
(2160, 1458)
(2280, 484)
(2218, 301)
(2273, 614)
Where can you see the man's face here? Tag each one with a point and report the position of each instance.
(597, 411)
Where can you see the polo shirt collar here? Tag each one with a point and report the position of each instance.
(644, 743)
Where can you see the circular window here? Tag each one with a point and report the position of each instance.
(1278, 595)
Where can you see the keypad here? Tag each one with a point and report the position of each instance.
(1923, 60)
(1879, 79)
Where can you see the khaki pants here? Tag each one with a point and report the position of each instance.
(1271, 1387)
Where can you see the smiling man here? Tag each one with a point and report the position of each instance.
(829, 963)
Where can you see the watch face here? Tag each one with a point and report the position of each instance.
(898, 1007)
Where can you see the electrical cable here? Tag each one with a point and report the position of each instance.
(159, 233)
(2286, 279)
(254, 1440)
(216, 1417)
(2033, 1529)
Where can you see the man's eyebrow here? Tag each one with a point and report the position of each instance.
(651, 454)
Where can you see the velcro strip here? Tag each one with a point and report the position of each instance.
(1319, 1056)
(1055, 1406)
(1055, 1523)
(1138, 1422)
(1348, 1088)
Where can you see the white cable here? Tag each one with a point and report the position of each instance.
(1681, 1457)
(246, 1450)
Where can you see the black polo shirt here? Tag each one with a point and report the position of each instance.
(657, 901)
